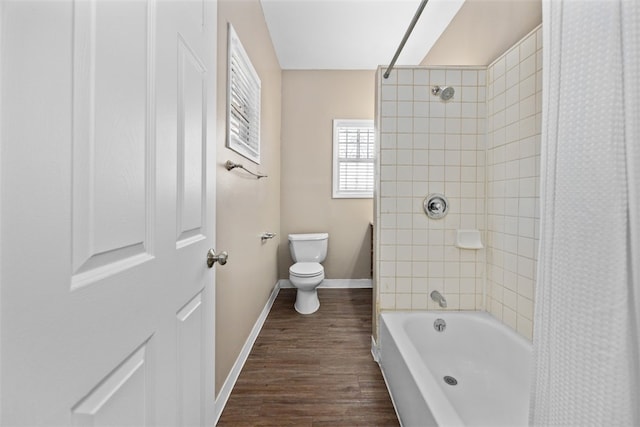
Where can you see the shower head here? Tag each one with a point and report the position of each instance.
(445, 93)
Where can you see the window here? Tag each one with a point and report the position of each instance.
(353, 157)
(243, 102)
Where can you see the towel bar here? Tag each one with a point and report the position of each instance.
(230, 165)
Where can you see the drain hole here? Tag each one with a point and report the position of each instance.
(450, 380)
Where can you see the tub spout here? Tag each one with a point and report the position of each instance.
(437, 297)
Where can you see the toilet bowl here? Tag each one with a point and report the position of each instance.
(306, 276)
(307, 251)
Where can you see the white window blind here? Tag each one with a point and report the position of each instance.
(353, 158)
(243, 102)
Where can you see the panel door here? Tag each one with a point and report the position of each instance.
(107, 212)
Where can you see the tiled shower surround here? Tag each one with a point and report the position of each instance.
(514, 114)
(481, 150)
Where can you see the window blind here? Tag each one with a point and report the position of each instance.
(243, 127)
(353, 158)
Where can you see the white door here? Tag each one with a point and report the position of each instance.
(107, 212)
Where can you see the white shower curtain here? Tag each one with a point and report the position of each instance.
(586, 327)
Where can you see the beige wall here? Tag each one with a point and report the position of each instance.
(482, 30)
(310, 101)
(246, 206)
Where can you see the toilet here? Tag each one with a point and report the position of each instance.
(307, 251)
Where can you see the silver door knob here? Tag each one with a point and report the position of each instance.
(212, 258)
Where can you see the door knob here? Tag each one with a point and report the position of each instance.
(212, 257)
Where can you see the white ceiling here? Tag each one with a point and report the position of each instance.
(353, 34)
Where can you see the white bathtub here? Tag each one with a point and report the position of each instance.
(491, 363)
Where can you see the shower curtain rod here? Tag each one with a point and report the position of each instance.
(423, 3)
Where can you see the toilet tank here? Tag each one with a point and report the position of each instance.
(308, 247)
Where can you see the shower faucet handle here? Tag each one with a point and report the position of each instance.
(435, 205)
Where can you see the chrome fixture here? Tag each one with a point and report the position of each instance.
(445, 93)
(423, 3)
(213, 257)
(439, 325)
(437, 297)
(450, 380)
(435, 205)
(266, 236)
(230, 165)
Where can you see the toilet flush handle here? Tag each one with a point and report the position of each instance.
(212, 257)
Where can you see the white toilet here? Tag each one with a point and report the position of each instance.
(307, 251)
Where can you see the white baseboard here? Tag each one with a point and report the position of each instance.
(229, 383)
(334, 283)
(375, 350)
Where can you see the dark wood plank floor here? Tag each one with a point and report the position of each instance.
(313, 370)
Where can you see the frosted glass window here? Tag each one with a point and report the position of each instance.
(243, 102)
(353, 158)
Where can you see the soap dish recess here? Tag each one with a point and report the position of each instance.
(468, 239)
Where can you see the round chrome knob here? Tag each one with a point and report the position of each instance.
(212, 258)
(436, 205)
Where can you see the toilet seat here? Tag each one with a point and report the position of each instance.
(306, 276)
(306, 269)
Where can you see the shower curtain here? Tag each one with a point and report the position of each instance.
(587, 328)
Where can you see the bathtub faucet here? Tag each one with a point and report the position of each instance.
(437, 297)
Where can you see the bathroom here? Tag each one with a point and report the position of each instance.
(497, 191)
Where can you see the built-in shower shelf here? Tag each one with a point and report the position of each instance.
(468, 239)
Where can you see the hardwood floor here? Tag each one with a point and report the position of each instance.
(313, 370)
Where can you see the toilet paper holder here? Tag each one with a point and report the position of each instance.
(267, 235)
